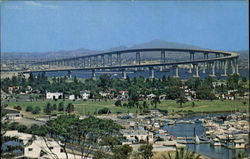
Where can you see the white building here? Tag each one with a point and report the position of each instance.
(38, 147)
(56, 95)
(72, 97)
(138, 135)
(11, 114)
(85, 94)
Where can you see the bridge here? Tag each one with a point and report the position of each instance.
(195, 59)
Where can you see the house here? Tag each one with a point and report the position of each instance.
(39, 147)
(85, 94)
(122, 95)
(163, 97)
(23, 138)
(56, 95)
(12, 89)
(11, 114)
(4, 95)
(72, 97)
(135, 136)
(218, 84)
(151, 96)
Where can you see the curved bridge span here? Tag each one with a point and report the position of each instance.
(193, 59)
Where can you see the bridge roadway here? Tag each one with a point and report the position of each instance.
(228, 57)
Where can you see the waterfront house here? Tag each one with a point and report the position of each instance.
(56, 95)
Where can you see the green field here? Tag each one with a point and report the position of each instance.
(89, 107)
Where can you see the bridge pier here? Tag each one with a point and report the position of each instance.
(191, 59)
(190, 68)
(124, 74)
(118, 60)
(204, 68)
(102, 60)
(176, 71)
(163, 60)
(213, 70)
(196, 66)
(93, 74)
(69, 73)
(138, 58)
(237, 66)
(109, 60)
(224, 68)
(151, 73)
(95, 61)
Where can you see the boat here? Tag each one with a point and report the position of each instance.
(215, 142)
(171, 122)
(197, 140)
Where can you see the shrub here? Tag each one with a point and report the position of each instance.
(104, 111)
(29, 108)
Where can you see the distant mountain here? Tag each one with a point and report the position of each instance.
(163, 44)
(82, 51)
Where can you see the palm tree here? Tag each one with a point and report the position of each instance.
(181, 154)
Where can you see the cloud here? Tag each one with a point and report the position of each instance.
(37, 4)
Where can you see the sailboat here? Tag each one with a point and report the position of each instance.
(197, 140)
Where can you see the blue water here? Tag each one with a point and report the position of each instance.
(218, 152)
(145, 73)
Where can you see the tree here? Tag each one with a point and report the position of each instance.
(54, 106)
(61, 106)
(104, 111)
(36, 110)
(181, 100)
(156, 100)
(144, 105)
(118, 103)
(146, 151)
(240, 155)
(181, 154)
(70, 108)
(99, 154)
(48, 108)
(122, 152)
(233, 81)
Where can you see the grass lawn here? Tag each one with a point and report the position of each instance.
(85, 107)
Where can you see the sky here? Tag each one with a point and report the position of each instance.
(32, 26)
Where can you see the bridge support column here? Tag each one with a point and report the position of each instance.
(224, 68)
(102, 59)
(233, 66)
(124, 74)
(95, 61)
(176, 71)
(163, 60)
(151, 72)
(109, 60)
(237, 66)
(204, 68)
(93, 74)
(196, 66)
(118, 60)
(213, 70)
(69, 74)
(138, 58)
